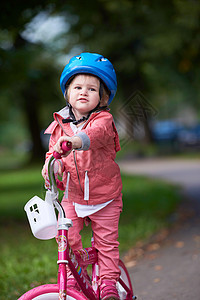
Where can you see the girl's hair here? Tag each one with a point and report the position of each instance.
(104, 93)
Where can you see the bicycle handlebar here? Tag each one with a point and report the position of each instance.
(56, 183)
(65, 146)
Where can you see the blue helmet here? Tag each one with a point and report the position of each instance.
(91, 63)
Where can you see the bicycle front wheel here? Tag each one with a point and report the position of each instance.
(50, 292)
(125, 278)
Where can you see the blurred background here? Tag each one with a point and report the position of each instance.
(153, 45)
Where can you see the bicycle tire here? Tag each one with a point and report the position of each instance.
(50, 292)
(126, 279)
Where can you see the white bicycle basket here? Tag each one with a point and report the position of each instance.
(42, 218)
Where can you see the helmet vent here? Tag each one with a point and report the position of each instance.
(102, 59)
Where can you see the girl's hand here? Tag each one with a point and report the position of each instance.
(76, 143)
(44, 173)
(57, 146)
(46, 178)
(58, 171)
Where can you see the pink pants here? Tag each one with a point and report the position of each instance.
(105, 227)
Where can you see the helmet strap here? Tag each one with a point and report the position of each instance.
(72, 118)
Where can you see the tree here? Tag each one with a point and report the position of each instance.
(31, 81)
(29, 78)
(153, 45)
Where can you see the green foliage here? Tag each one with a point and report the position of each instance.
(17, 187)
(153, 45)
(25, 262)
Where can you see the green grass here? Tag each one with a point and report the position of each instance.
(26, 262)
(133, 149)
(148, 205)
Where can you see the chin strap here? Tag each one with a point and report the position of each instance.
(72, 116)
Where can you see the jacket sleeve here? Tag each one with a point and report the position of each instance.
(100, 131)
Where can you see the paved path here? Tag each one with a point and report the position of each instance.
(172, 270)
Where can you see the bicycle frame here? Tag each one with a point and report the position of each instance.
(66, 257)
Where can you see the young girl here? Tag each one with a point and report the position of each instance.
(90, 174)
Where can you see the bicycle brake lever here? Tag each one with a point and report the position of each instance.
(60, 185)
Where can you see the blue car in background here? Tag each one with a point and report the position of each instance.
(172, 132)
(166, 131)
(190, 137)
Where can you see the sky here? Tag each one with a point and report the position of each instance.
(44, 28)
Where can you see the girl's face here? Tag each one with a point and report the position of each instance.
(83, 94)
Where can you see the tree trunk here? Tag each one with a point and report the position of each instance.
(31, 111)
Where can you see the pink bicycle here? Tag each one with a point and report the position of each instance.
(44, 225)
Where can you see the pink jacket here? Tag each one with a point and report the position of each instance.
(91, 175)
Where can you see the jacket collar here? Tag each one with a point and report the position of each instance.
(64, 114)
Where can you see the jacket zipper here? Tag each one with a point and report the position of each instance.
(73, 155)
(86, 194)
(77, 169)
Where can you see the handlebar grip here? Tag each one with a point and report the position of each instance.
(65, 146)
